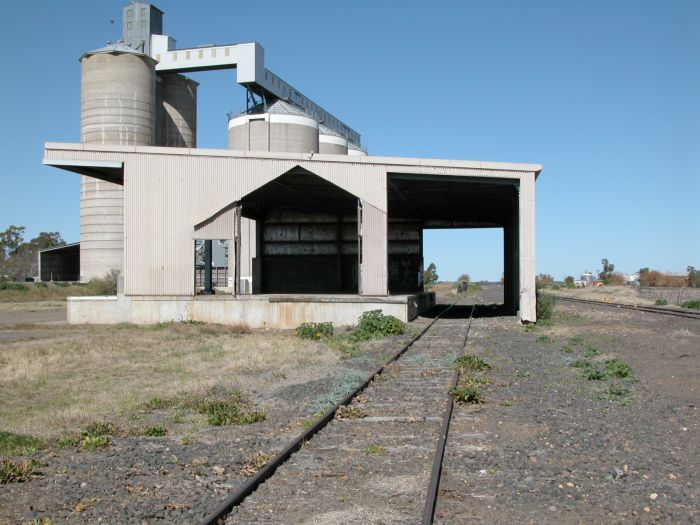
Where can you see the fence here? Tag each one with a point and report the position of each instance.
(670, 295)
(219, 277)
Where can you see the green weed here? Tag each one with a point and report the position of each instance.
(472, 362)
(694, 304)
(373, 449)
(543, 339)
(619, 369)
(661, 302)
(567, 349)
(95, 442)
(592, 351)
(467, 395)
(155, 431)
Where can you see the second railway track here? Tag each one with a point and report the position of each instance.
(689, 314)
(378, 467)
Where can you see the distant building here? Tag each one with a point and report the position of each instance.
(586, 279)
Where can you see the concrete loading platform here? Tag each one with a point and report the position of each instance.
(285, 311)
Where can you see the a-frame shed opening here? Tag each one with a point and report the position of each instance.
(300, 236)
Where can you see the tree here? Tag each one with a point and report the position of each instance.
(19, 259)
(544, 279)
(569, 282)
(430, 275)
(10, 241)
(608, 269)
(463, 282)
(692, 276)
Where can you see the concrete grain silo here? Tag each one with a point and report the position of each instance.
(331, 143)
(280, 127)
(177, 111)
(117, 107)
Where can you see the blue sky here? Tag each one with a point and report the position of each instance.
(603, 94)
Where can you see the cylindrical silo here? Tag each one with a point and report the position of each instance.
(332, 143)
(280, 127)
(354, 150)
(177, 112)
(117, 107)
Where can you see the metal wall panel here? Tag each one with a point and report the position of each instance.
(220, 226)
(374, 251)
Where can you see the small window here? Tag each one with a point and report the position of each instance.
(143, 23)
(128, 25)
(129, 13)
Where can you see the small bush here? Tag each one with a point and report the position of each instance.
(375, 325)
(567, 349)
(545, 307)
(694, 304)
(661, 302)
(467, 395)
(373, 449)
(41, 285)
(543, 339)
(593, 373)
(472, 362)
(314, 331)
(155, 431)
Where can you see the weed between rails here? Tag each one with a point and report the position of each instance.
(467, 391)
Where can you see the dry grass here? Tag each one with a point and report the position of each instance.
(57, 385)
(616, 294)
(37, 306)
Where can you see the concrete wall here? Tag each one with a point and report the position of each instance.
(250, 311)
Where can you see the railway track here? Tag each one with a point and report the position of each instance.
(649, 309)
(384, 465)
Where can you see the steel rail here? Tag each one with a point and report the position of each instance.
(647, 309)
(434, 486)
(245, 490)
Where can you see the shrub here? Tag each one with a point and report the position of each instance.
(661, 302)
(96, 435)
(375, 325)
(617, 368)
(569, 282)
(41, 285)
(314, 330)
(545, 307)
(694, 304)
(106, 285)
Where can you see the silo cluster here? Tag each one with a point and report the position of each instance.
(124, 102)
(282, 127)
